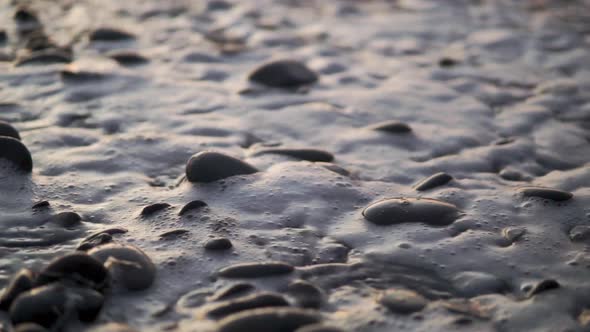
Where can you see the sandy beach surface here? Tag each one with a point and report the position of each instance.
(295, 165)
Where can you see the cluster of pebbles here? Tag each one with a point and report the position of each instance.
(294, 166)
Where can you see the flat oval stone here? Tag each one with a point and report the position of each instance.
(269, 320)
(543, 286)
(208, 166)
(43, 305)
(109, 34)
(65, 219)
(546, 193)
(153, 208)
(44, 57)
(78, 268)
(402, 301)
(472, 283)
(255, 270)
(283, 74)
(17, 153)
(218, 244)
(433, 181)
(231, 291)
(20, 282)
(400, 210)
(306, 294)
(190, 206)
(128, 58)
(129, 265)
(253, 301)
(313, 155)
(87, 303)
(6, 129)
(392, 127)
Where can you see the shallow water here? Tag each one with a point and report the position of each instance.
(496, 93)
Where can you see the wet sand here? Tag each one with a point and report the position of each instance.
(275, 165)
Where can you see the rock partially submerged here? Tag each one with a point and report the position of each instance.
(283, 74)
(209, 166)
(400, 210)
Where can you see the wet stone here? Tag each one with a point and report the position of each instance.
(391, 127)
(546, 193)
(511, 175)
(44, 57)
(43, 305)
(334, 168)
(129, 266)
(433, 181)
(191, 206)
(255, 270)
(232, 291)
(3, 37)
(153, 208)
(174, 234)
(17, 153)
(580, 233)
(269, 320)
(542, 286)
(402, 301)
(218, 244)
(65, 219)
(6, 129)
(283, 74)
(94, 241)
(470, 284)
(40, 205)
(254, 301)
(30, 327)
(512, 234)
(447, 62)
(400, 210)
(77, 268)
(211, 166)
(109, 34)
(21, 282)
(306, 294)
(128, 58)
(313, 155)
(88, 303)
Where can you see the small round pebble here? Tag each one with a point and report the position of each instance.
(153, 208)
(109, 34)
(6, 129)
(313, 155)
(209, 166)
(65, 219)
(253, 301)
(190, 206)
(391, 127)
(399, 210)
(218, 244)
(43, 305)
(269, 320)
(283, 74)
(129, 265)
(306, 294)
(17, 153)
(546, 193)
(77, 268)
(433, 181)
(402, 301)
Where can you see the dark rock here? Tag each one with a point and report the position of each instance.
(510, 175)
(3, 37)
(211, 166)
(306, 294)
(334, 168)
(258, 300)
(30, 327)
(87, 302)
(400, 210)
(402, 301)
(129, 266)
(255, 270)
(77, 268)
(128, 58)
(471, 283)
(193, 205)
(447, 62)
(303, 154)
(109, 34)
(433, 181)
(40, 205)
(17, 153)
(94, 240)
(153, 208)
(269, 320)
(546, 193)
(232, 291)
(580, 233)
(392, 127)
(174, 234)
(218, 244)
(283, 74)
(65, 219)
(44, 57)
(6, 129)
(543, 286)
(20, 282)
(43, 305)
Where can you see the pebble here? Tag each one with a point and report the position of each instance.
(44, 57)
(546, 193)
(283, 74)
(17, 153)
(21, 282)
(511, 175)
(76, 268)
(313, 155)
(98, 238)
(232, 291)
(543, 286)
(447, 62)
(255, 270)
(113, 327)
(6, 129)
(129, 265)
(173, 234)
(43, 305)
(40, 205)
(208, 166)
(306, 294)
(433, 181)
(253, 301)
(153, 208)
(391, 127)
(65, 219)
(470, 284)
(319, 328)
(87, 302)
(30, 327)
(109, 34)
(269, 320)
(128, 58)
(3, 36)
(402, 301)
(579, 233)
(218, 244)
(335, 168)
(512, 234)
(193, 205)
(399, 210)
